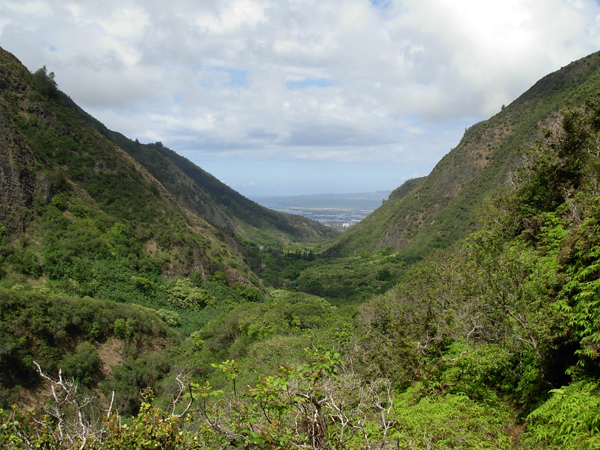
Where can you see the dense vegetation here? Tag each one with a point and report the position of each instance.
(339, 280)
(440, 209)
(124, 324)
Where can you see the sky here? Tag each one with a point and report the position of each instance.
(292, 97)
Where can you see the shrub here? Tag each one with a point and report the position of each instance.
(83, 365)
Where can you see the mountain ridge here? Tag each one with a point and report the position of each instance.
(207, 196)
(443, 207)
(59, 176)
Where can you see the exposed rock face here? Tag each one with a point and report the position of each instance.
(17, 180)
(20, 181)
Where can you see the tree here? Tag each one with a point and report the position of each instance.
(560, 165)
(44, 83)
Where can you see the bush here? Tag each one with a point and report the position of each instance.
(570, 419)
(83, 365)
(250, 294)
(184, 295)
(171, 318)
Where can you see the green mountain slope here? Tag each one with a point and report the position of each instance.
(491, 344)
(54, 154)
(202, 193)
(73, 203)
(441, 208)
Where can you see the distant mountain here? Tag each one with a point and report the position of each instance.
(441, 208)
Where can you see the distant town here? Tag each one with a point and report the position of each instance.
(335, 210)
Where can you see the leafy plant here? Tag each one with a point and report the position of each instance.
(570, 419)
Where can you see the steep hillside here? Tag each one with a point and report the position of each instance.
(442, 208)
(73, 204)
(202, 193)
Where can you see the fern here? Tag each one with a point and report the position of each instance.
(571, 418)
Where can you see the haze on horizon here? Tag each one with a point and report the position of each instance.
(299, 97)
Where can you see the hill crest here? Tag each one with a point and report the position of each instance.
(441, 208)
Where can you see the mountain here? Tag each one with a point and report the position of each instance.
(441, 208)
(110, 250)
(203, 194)
(63, 184)
(499, 335)
(62, 171)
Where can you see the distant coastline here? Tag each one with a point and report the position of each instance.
(337, 210)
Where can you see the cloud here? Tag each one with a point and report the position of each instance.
(357, 80)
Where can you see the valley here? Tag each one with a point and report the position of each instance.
(146, 304)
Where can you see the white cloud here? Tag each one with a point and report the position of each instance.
(35, 9)
(317, 80)
(234, 16)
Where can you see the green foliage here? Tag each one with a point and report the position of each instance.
(151, 428)
(318, 404)
(384, 275)
(340, 280)
(184, 295)
(44, 83)
(554, 209)
(313, 394)
(570, 419)
(252, 322)
(171, 318)
(285, 296)
(83, 365)
(559, 166)
(61, 332)
(248, 293)
(218, 277)
(513, 310)
(259, 336)
(143, 284)
(136, 373)
(452, 421)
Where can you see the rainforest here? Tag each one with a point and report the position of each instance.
(146, 305)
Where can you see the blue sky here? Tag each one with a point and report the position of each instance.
(290, 97)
